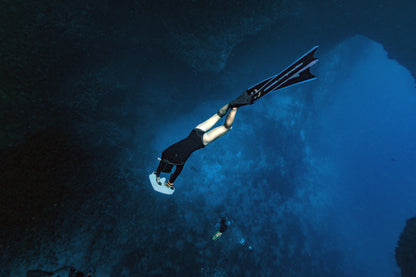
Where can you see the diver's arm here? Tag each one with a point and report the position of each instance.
(159, 169)
(175, 174)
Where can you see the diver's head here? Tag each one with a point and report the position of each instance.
(225, 220)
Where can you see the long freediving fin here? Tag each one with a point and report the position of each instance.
(297, 73)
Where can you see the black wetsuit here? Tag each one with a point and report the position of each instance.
(178, 153)
(223, 224)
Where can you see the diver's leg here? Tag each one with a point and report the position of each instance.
(209, 123)
(221, 130)
(229, 120)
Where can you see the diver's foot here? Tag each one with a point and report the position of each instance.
(223, 111)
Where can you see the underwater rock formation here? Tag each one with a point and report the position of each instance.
(83, 83)
(406, 249)
(44, 44)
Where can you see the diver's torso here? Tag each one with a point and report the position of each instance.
(180, 151)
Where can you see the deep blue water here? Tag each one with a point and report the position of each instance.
(368, 136)
(359, 147)
(319, 179)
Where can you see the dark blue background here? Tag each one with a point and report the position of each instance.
(318, 179)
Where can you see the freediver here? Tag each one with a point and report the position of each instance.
(177, 154)
(224, 223)
(200, 136)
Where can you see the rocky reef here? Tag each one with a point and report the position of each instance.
(48, 47)
(82, 84)
(406, 249)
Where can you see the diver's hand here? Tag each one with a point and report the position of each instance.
(157, 178)
(170, 185)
